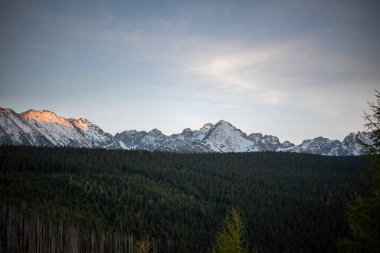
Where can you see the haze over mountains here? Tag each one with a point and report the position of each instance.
(45, 128)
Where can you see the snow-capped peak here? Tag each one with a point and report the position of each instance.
(45, 117)
(223, 122)
(46, 128)
(224, 137)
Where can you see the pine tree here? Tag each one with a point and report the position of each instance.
(144, 246)
(364, 214)
(232, 238)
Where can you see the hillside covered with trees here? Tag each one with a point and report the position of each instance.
(95, 200)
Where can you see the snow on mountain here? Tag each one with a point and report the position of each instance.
(201, 133)
(14, 130)
(184, 146)
(287, 144)
(187, 141)
(353, 143)
(130, 139)
(267, 142)
(152, 140)
(224, 137)
(56, 129)
(318, 145)
(133, 139)
(45, 128)
(93, 135)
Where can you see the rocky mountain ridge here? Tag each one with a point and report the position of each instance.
(45, 128)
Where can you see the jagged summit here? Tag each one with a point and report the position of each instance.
(46, 128)
(207, 126)
(256, 135)
(187, 132)
(223, 122)
(83, 120)
(38, 112)
(155, 131)
(45, 116)
(224, 137)
(6, 110)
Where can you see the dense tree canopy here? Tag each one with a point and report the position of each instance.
(291, 202)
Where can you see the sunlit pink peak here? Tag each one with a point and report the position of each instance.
(81, 123)
(45, 116)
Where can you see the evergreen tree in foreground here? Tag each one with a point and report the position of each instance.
(232, 238)
(144, 246)
(364, 214)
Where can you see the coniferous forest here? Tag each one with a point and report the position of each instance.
(95, 200)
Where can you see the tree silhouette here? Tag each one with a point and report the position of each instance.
(232, 238)
(364, 214)
(144, 246)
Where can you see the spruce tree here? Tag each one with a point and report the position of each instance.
(232, 238)
(364, 214)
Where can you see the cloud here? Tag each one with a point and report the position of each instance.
(302, 72)
(294, 72)
(280, 62)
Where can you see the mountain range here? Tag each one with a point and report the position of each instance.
(45, 128)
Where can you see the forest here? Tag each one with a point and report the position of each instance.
(96, 200)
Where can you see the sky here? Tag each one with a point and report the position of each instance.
(296, 69)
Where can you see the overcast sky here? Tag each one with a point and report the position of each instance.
(294, 69)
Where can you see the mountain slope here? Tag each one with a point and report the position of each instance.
(224, 137)
(45, 128)
(15, 130)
